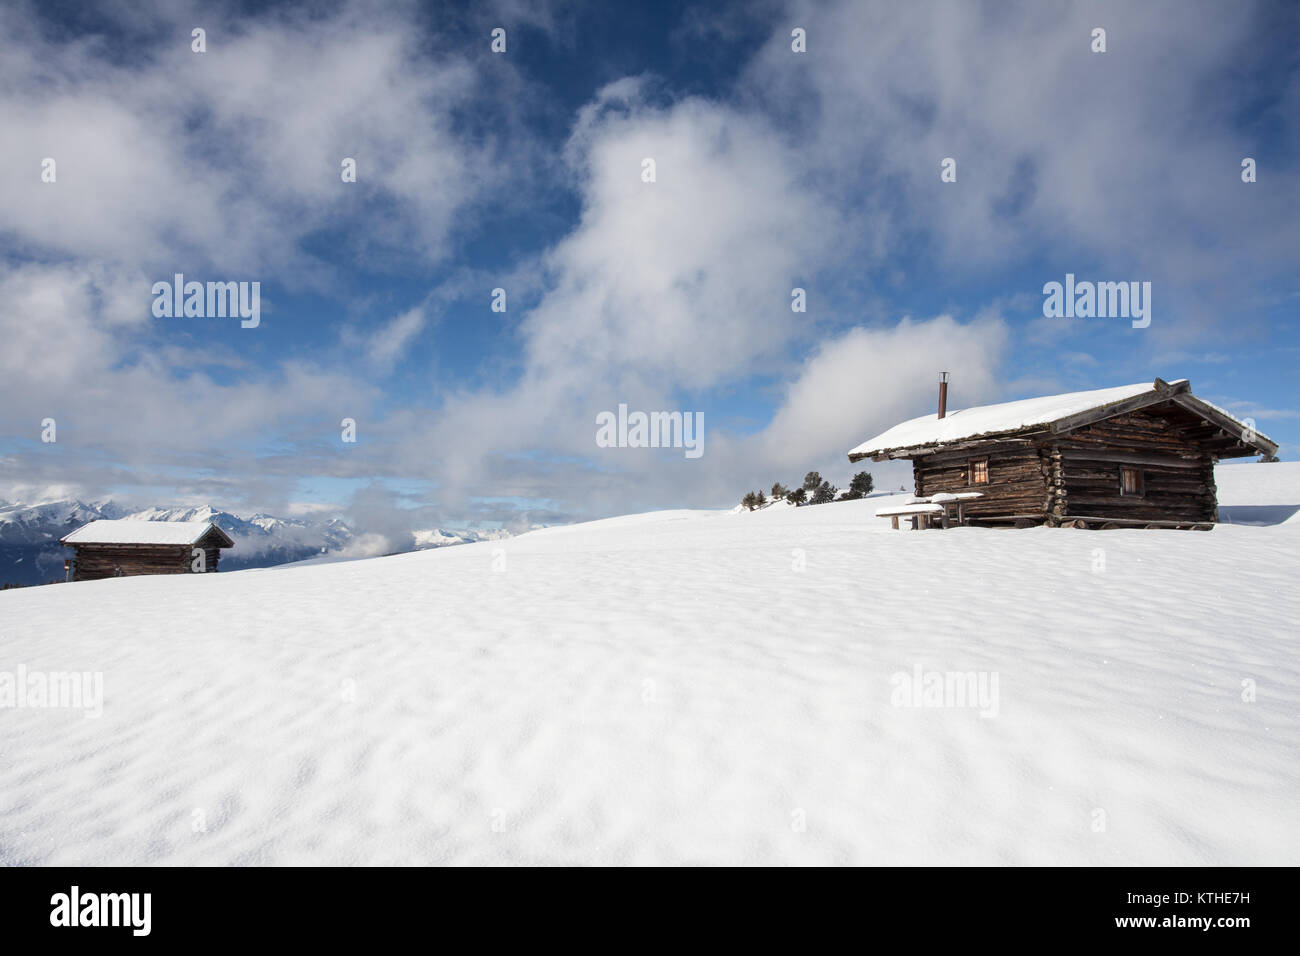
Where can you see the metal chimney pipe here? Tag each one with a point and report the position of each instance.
(943, 394)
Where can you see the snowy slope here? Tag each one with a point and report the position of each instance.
(682, 687)
(1261, 494)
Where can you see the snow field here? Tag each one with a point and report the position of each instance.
(671, 688)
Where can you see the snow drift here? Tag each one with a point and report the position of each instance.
(683, 687)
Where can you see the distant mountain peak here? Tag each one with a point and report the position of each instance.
(30, 552)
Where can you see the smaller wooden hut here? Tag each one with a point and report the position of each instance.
(108, 549)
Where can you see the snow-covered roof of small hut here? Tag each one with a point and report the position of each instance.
(138, 531)
(1029, 414)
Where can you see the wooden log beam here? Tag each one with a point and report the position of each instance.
(1083, 520)
(1230, 425)
(1073, 455)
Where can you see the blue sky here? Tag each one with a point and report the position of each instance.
(521, 170)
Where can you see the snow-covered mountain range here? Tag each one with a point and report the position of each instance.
(30, 552)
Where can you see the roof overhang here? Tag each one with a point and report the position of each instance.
(1239, 440)
(223, 540)
(219, 539)
(1023, 436)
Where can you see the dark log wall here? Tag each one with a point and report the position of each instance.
(1077, 474)
(94, 561)
(1018, 480)
(1178, 473)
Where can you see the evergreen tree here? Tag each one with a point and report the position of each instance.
(825, 492)
(797, 497)
(862, 484)
(779, 491)
(811, 481)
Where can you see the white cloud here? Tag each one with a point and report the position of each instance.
(688, 278)
(227, 159)
(65, 357)
(225, 162)
(1125, 161)
(387, 344)
(664, 287)
(684, 284)
(867, 380)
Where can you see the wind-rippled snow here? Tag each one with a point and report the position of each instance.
(671, 688)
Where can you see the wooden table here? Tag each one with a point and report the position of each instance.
(919, 511)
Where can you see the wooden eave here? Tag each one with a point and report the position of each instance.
(225, 542)
(1225, 440)
(229, 541)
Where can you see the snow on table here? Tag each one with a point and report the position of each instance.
(910, 508)
(691, 687)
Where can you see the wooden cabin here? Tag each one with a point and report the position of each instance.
(107, 549)
(1134, 456)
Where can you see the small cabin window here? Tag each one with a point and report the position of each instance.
(979, 471)
(1130, 481)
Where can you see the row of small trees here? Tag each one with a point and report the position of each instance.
(814, 491)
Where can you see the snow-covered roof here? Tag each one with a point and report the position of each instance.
(138, 531)
(1008, 418)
